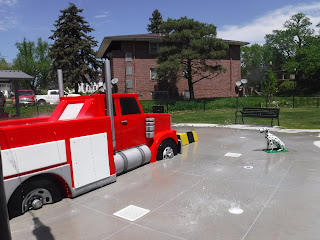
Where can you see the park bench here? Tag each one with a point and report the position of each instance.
(258, 113)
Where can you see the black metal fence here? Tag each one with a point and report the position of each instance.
(205, 104)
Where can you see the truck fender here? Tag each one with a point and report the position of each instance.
(158, 138)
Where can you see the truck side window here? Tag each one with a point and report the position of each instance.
(129, 106)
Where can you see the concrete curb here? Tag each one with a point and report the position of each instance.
(247, 127)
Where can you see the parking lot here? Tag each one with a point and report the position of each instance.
(222, 187)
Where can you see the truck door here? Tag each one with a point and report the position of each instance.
(132, 123)
(53, 96)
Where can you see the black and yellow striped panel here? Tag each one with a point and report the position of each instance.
(184, 138)
(188, 137)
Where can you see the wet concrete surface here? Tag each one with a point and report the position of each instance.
(189, 196)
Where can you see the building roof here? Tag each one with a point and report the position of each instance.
(149, 37)
(14, 75)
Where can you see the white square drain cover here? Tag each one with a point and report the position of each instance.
(233, 154)
(131, 213)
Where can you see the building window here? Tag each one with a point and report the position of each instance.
(128, 56)
(128, 70)
(129, 83)
(4, 85)
(154, 47)
(153, 74)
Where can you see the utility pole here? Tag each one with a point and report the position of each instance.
(5, 233)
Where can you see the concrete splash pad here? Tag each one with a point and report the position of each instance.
(191, 195)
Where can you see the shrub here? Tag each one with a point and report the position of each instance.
(286, 88)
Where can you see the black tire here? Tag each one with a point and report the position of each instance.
(42, 102)
(48, 190)
(167, 149)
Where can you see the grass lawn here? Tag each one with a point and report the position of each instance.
(297, 118)
(30, 111)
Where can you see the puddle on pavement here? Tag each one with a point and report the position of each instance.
(247, 167)
(235, 209)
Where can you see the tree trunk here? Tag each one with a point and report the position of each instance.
(33, 88)
(190, 83)
(76, 86)
(191, 89)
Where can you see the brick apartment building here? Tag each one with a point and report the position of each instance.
(133, 62)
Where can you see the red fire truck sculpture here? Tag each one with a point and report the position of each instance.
(80, 148)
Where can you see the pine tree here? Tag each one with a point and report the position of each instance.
(155, 22)
(191, 47)
(72, 50)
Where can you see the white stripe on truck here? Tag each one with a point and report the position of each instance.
(24, 159)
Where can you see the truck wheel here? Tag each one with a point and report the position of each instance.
(41, 102)
(33, 195)
(167, 149)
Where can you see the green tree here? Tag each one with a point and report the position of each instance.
(155, 22)
(72, 50)
(43, 64)
(286, 88)
(307, 64)
(269, 85)
(299, 26)
(3, 64)
(190, 47)
(253, 63)
(288, 41)
(288, 46)
(33, 59)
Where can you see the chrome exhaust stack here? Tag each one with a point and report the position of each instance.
(109, 101)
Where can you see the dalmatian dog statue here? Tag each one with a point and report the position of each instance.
(273, 142)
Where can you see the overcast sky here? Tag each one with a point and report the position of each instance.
(246, 20)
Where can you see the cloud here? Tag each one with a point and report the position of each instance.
(8, 2)
(7, 18)
(103, 15)
(255, 31)
(7, 22)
